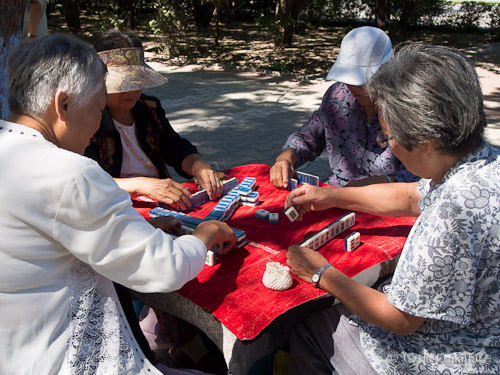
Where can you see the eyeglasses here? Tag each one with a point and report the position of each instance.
(383, 140)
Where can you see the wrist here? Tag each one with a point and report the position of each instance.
(138, 185)
(30, 35)
(290, 164)
(316, 277)
(198, 164)
(207, 232)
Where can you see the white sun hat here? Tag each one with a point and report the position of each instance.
(362, 52)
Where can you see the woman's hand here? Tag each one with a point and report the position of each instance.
(213, 231)
(304, 262)
(169, 223)
(163, 190)
(283, 169)
(308, 198)
(281, 173)
(208, 180)
(166, 191)
(198, 167)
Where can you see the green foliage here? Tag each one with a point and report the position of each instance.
(495, 17)
(425, 12)
(107, 17)
(281, 64)
(273, 25)
(350, 11)
(461, 16)
(267, 22)
(326, 12)
(320, 12)
(167, 23)
(469, 15)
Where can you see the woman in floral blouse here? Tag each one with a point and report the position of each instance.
(135, 141)
(440, 314)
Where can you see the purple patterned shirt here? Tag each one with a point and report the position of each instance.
(339, 126)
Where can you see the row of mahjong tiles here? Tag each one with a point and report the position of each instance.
(234, 193)
(245, 189)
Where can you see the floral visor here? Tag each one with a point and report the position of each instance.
(127, 70)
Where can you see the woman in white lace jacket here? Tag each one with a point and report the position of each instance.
(68, 231)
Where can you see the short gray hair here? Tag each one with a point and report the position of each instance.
(428, 91)
(38, 69)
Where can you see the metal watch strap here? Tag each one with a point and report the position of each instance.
(319, 273)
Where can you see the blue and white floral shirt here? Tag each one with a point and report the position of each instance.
(449, 273)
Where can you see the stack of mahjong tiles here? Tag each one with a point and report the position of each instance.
(330, 231)
(302, 178)
(241, 194)
(245, 191)
(201, 196)
(192, 222)
(225, 208)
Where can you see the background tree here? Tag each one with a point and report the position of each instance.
(127, 11)
(72, 14)
(217, 14)
(382, 13)
(287, 13)
(203, 11)
(11, 25)
(406, 11)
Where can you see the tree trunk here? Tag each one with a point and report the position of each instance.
(382, 13)
(72, 14)
(11, 26)
(287, 11)
(217, 21)
(203, 12)
(406, 10)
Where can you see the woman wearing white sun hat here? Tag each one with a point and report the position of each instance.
(346, 123)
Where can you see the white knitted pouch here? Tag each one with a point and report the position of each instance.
(277, 276)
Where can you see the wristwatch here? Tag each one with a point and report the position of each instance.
(317, 275)
(30, 35)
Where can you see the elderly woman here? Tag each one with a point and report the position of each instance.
(135, 142)
(347, 122)
(440, 314)
(67, 230)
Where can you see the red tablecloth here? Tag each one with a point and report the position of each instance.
(233, 291)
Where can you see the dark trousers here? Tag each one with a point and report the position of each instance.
(325, 343)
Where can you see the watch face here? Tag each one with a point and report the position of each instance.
(315, 278)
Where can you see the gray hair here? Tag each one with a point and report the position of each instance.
(38, 69)
(430, 92)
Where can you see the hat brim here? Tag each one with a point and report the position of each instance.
(351, 75)
(132, 78)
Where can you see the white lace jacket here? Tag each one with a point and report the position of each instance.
(66, 230)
